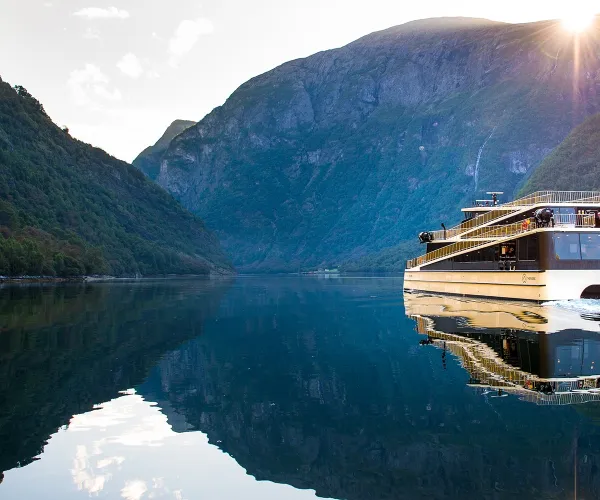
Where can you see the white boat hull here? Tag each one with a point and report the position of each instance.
(524, 285)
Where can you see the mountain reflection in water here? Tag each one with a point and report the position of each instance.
(321, 385)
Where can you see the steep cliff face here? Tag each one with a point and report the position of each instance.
(572, 166)
(148, 161)
(353, 150)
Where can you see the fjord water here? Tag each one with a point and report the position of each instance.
(285, 388)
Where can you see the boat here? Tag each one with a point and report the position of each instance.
(541, 247)
(542, 354)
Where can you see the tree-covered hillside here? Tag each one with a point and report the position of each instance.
(67, 208)
(326, 159)
(572, 166)
(148, 161)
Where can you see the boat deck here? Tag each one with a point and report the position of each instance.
(486, 229)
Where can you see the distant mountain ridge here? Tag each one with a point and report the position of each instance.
(340, 155)
(68, 209)
(148, 161)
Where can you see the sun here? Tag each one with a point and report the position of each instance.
(578, 21)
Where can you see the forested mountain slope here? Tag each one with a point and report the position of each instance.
(67, 208)
(347, 152)
(572, 166)
(148, 161)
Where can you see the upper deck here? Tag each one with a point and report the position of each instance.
(494, 214)
(493, 223)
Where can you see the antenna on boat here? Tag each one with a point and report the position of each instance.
(495, 196)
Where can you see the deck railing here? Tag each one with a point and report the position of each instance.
(487, 234)
(555, 197)
(483, 236)
(537, 198)
(575, 220)
(447, 234)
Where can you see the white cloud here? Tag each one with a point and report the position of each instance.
(186, 35)
(100, 13)
(104, 93)
(134, 490)
(91, 34)
(87, 83)
(131, 65)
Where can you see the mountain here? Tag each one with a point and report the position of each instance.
(330, 158)
(148, 161)
(574, 165)
(67, 208)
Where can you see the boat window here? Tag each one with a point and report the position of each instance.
(563, 210)
(566, 246)
(489, 254)
(590, 246)
(528, 248)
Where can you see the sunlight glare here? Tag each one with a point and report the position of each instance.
(578, 20)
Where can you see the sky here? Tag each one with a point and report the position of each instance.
(118, 72)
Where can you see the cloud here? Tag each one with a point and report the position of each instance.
(131, 65)
(100, 13)
(186, 35)
(108, 95)
(89, 83)
(91, 34)
(134, 490)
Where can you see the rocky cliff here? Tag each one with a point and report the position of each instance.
(356, 149)
(572, 166)
(148, 161)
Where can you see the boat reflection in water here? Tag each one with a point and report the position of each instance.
(544, 354)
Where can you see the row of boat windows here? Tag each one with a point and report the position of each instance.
(523, 249)
(567, 246)
(576, 246)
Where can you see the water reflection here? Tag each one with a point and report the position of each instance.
(316, 385)
(65, 349)
(545, 354)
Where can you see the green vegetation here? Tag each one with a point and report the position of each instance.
(391, 259)
(356, 150)
(68, 209)
(574, 165)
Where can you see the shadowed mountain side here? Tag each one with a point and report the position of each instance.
(572, 166)
(148, 161)
(329, 391)
(65, 349)
(67, 208)
(349, 151)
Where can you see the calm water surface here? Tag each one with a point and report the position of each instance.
(285, 388)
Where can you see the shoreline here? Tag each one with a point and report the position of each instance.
(41, 279)
(8, 280)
